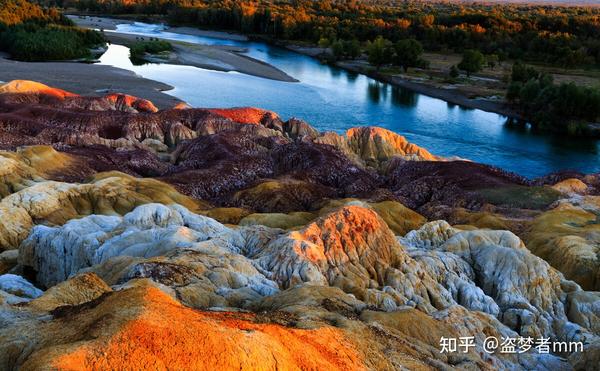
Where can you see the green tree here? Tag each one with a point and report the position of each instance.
(337, 49)
(514, 91)
(324, 42)
(472, 61)
(352, 48)
(408, 53)
(523, 73)
(492, 60)
(454, 72)
(529, 92)
(379, 51)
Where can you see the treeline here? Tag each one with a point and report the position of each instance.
(566, 36)
(564, 107)
(18, 11)
(31, 33)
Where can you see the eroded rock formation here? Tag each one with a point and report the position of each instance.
(229, 238)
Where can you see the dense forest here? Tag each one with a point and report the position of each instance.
(565, 36)
(31, 33)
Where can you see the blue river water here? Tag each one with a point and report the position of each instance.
(332, 99)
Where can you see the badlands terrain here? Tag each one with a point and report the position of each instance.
(184, 238)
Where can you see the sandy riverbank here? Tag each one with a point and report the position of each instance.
(208, 33)
(106, 23)
(213, 57)
(88, 79)
(100, 23)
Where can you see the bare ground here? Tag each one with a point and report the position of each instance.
(88, 79)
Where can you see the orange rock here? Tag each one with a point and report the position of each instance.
(571, 186)
(352, 231)
(376, 145)
(182, 105)
(244, 115)
(144, 328)
(124, 100)
(32, 87)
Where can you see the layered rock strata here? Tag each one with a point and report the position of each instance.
(230, 238)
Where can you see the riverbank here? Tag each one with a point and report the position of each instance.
(99, 23)
(111, 23)
(207, 33)
(229, 59)
(212, 57)
(447, 92)
(226, 59)
(88, 79)
(472, 92)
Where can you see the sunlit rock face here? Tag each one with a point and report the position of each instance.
(229, 238)
(568, 237)
(49, 202)
(375, 146)
(21, 91)
(33, 88)
(152, 329)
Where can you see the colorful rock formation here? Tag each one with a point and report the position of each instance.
(230, 239)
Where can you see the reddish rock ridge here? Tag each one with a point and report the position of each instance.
(124, 101)
(24, 91)
(32, 87)
(246, 115)
(149, 329)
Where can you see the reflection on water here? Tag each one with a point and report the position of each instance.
(374, 91)
(333, 99)
(404, 97)
(351, 76)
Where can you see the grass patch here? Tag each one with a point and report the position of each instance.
(520, 196)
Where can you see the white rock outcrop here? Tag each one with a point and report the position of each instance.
(487, 276)
(15, 288)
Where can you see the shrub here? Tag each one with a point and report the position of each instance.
(140, 48)
(472, 62)
(454, 72)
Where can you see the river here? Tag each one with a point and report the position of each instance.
(332, 99)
